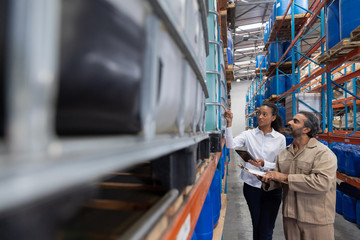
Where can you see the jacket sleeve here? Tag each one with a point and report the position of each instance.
(321, 176)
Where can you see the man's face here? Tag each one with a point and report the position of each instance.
(297, 127)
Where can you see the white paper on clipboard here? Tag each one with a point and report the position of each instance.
(255, 172)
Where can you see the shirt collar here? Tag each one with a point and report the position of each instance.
(272, 133)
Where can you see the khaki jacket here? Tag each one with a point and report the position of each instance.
(311, 193)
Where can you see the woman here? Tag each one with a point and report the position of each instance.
(264, 143)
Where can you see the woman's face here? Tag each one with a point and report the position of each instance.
(265, 116)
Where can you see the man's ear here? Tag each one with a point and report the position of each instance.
(306, 130)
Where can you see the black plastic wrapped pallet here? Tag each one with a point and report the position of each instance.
(3, 20)
(101, 62)
(215, 142)
(176, 170)
(204, 149)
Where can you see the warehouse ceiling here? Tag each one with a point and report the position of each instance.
(248, 36)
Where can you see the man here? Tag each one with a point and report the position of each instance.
(307, 172)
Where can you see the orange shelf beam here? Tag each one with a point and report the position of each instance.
(347, 103)
(339, 138)
(350, 180)
(189, 212)
(339, 80)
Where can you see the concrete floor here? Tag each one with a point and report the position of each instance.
(237, 220)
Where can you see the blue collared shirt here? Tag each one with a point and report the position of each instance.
(266, 147)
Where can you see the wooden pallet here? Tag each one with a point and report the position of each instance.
(342, 48)
(229, 75)
(263, 71)
(339, 50)
(223, 28)
(285, 67)
(223, 4)
(355, 34)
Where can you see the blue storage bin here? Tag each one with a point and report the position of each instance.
(278, 88)
(332, 24)
(356, 158)
(282, 113)
(275, 52)
(338, 149)
(204, 225)
(193, 237)
(358, 213)
(303, 4)
(230, 56)
(288, 56)
(349, 17)
(281, 6)
(215, 188)
(339, 197)
(349, 161)
(258, 59)
(349, 208)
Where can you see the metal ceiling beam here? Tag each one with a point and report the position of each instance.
(249, 10)
(253, 3)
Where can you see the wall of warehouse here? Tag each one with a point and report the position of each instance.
(238, 102)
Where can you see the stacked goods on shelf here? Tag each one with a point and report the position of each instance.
(276, 50)
(310, 99)
(83, 94)
(349, 17)
(332, 24)
(348, 156)
(274, 87)
(260, 59)
(230, 48)
(288, 56)
(348, 202)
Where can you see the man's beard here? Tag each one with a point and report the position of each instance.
(296, 133)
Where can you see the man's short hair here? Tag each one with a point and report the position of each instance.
(312, 122)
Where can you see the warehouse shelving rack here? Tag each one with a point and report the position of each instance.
(37, 164)
(31, 150)
(325, 72)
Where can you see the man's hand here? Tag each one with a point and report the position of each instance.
(257, 163)
(274, 176)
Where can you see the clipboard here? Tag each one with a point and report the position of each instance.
(245, 155)
(258, 173)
